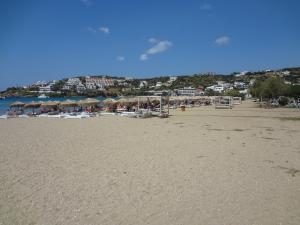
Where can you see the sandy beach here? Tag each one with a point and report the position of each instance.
(201, 166)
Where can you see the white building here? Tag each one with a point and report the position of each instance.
(241, 73)
(238, 84)
(158, 84)
(143, 84)
(45, 89)
(189, 91)
(129, 78)
(220, 82)
(90, 86)
(252, 82)
(80, 88)
(98, 82)
(74, 82)
(41, 83)
(286, 72)
(216, 88)
(219, 88)
(246, 93)
(172, 79)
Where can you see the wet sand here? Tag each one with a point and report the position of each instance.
(201, 166)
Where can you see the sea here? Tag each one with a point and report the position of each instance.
(5, 103)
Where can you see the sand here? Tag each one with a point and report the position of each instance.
(201, 166)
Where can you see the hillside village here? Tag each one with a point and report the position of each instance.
(238, 84)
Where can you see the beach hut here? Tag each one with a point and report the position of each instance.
(237, 100)
(223, 102)
(155, 99)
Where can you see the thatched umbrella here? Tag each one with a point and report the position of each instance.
(109, 101)
(50, 104)
(69, 103)
(33, 105)
(140, 99)
(17, 104)
(123, 100)
(88, 102)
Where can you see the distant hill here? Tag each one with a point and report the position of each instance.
(132, 86)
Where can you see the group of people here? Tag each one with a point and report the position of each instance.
(131, 107)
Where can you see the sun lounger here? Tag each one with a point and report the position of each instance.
(23, 116)
(53, 113)
(107, 114)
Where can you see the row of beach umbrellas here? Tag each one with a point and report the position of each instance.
(92, 101)
(192, 98)
(67, 103)
(71, 103)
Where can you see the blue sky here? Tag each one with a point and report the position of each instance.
(53, 39)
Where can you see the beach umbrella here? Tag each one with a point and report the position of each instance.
(123, 100)
(17, 104)
(133, 100)
(88, 102)
(141, 99)
(109, 101)
(33, 105)
(68, 103)
(50, 104)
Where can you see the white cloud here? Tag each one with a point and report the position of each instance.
(105, 30)
(206, 6)
(143, 57)
(224, 40)
(120, 58)
(153, 40)
(91, 29)
(86, 2)
(160, 46)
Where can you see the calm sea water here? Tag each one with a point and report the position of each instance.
(5, 103)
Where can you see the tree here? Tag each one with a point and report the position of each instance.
(294, 91)
(272, 87)
(58, 86)
(232, 92)
(210, 92)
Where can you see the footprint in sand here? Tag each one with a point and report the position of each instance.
(291, 171)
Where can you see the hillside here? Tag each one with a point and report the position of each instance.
(106, 85)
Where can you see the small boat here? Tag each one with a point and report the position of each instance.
(2, 97)
(43, 96)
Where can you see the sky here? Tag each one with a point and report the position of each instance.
(54, 39)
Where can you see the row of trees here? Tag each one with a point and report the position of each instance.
(274, 87)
